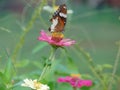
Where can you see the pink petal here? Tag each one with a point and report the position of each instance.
(87, 83)
(61, 79)
(73, 84)
(69, 43)
(44, 36)
(68, 79)
(65, 42)
(80, 83)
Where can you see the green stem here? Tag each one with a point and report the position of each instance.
(92, 66)
(48, 63)
(26, 30)
(74, 88)
(115, 67)
(53, 3)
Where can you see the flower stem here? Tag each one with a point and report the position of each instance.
(48, 63)
(26, 30)
(92, 66)
(53, 3)
(115, 67)
(74, 88)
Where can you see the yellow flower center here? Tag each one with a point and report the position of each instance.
(75, 75)
(37, 85)
(57, 36)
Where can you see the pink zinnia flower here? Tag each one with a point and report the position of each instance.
(64, 79)
(56, 39)
(75, 81)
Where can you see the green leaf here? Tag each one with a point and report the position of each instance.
(2, 81)
(23, 63)
(108, 66)
(99, 68)
(39, 47)
(2, 78)
(3, 87)
(85, 88)
(19, 87)
(38, 64)
(62, 70)
(72, 66)
(8, 70)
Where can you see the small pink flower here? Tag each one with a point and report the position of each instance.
(80, 83)
(87, 83)
(61, 80)
(75, 81)
(64, 79)
(61, 42)
(68, 79)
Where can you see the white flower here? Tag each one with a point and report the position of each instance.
(34, 84)
(53, 9)
(48, 8)
(70, 11)
(44, 87)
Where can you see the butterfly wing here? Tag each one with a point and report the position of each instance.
(59, 19)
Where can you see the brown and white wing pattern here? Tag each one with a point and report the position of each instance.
(59, 19)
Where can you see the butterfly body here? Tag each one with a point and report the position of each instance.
(59, 19)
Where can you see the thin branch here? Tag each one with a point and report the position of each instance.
(115, 67)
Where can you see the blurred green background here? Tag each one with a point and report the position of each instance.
(95, 24)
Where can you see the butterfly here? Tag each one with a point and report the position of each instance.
(58, 19)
